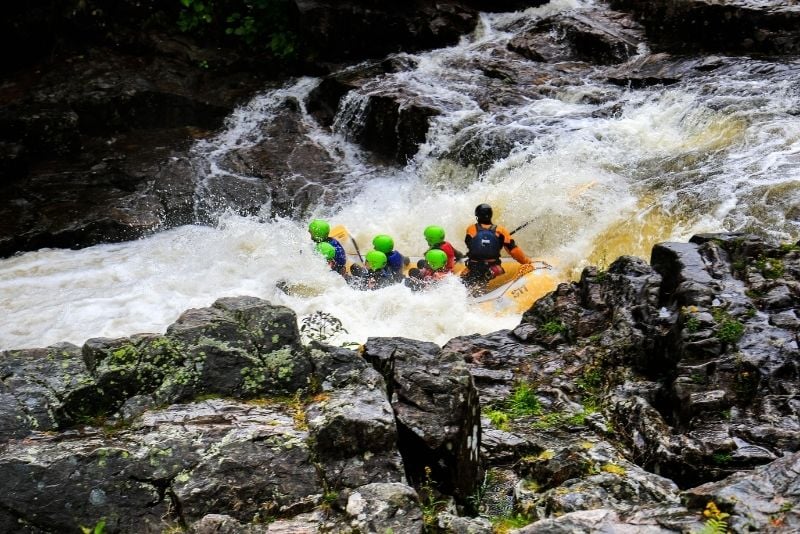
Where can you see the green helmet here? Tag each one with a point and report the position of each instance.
(434, 235)
(436, 258)
(327, 250)
(376, 260)
(319, 230)
(383, 243)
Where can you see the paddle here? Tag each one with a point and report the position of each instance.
(355, 245)
(520, 227)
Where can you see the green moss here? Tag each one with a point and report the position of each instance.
(498, 418)
(770, 268)
(549, 420)
(721, 458)
(253, 379)
(506, 523)
(125, 355)
(280, 363)
(552, 328)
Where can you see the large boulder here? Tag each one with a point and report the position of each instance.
(361, 29)
(731, 26)
(596, 36)
(437, 411)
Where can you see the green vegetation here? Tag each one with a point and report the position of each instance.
(692, 324)
(729, 329)
(592, 379)
(715, 520)
(99, 528)
(549, 420)
(699, 378)
(320, 326)
(552, 328)
(770, 268)
(614, 469)
(498, 418)
(258, 25)
(721, 458)
(507, 523)
(523, 401)
(430, 505)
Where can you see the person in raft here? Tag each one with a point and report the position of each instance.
(484, 242)
(319, 231)
(395, 261)
(435, 269)
(434, 236)
(327, 251)
(375, 273)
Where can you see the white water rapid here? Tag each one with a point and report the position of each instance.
(714, 153)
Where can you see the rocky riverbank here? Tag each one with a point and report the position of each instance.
(656, 397)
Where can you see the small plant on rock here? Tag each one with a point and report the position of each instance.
(99, 528)
(552, 328)
(771, 268)
(715, 520)
(523, 401)
(721, 458)
(729, 329)
(498, 418)
(692, 324)
(321, 326)
(430, 505)
(507, 523)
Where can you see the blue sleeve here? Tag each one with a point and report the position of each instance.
(340, 258)
(396, 261)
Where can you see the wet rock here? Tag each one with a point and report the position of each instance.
(248, 323)
(35, 387)
(685, 276)
(239, 347)
(661, 69)
(761, 500)
(499, 446)
(261, 470)
(383, 507)
(656, 520)
(288, 169)
(734, 27)
(97, 126)
(452, 524)
(376, 30)
(437, 412)
(345, 421)
(596, 36)
(390, 123)
(323, 101)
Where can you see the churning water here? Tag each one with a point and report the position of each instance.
(599, 170)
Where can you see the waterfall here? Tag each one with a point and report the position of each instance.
(597, 169)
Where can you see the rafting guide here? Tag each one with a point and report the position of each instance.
(484, 242)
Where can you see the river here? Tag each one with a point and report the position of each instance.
(597, 169)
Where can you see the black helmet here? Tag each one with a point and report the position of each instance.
(483, 212)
